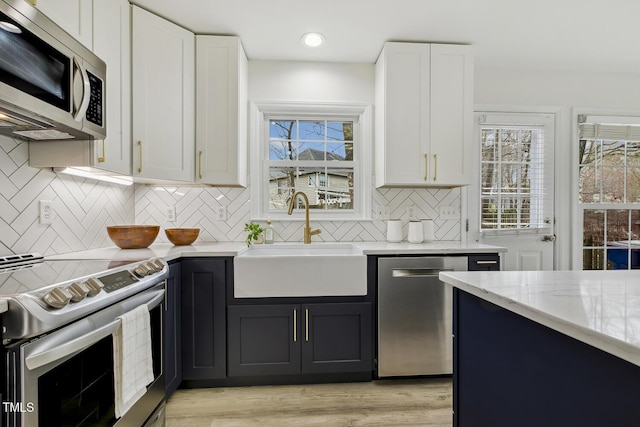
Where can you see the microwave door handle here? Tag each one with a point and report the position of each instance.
(75, 345)
(86, 91)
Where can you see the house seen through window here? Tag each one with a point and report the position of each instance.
(315, 157)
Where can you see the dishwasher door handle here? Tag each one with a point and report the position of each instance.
(417, 272)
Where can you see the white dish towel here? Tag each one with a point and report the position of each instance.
(132, 358)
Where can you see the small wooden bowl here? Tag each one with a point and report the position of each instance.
(133, 236)
(182, 236)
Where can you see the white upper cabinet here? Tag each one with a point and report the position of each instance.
(424, 107)
(221, 111)
(73, 16)
(112, 43)
(163, 87)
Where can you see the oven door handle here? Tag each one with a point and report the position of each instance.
(78, 344)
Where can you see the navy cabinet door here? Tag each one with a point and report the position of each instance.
(172, 335)
(204, 317)
(337, 338)
(264, 339)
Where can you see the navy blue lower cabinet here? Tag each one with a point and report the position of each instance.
(172, 333)
(294, 339)
(204, 317)
(511, 371)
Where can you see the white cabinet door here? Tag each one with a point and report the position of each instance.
(402, 114)
(74, 16)
(451, 115)
(112, 43)
(221, 111)
(424, 104)
(163, 80)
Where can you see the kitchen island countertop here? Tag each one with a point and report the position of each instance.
(599, 308)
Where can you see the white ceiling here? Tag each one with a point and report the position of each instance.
(597, 35)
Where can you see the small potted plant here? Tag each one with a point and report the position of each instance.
(254, 231)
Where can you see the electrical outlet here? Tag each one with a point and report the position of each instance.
(221, 213)
(170, 214)
(410, 211)
(46, 212)
(449, 212)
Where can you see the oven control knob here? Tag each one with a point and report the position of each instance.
(151, 267)
(57, 297)
(158, 264)
(78, 291)
(141, 271)
(93, 286)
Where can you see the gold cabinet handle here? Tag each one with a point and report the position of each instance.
(200, 164)
(140, 150)
(306, 324)
(102, 158)
(435, 167)
(426, 166)
(295, 322)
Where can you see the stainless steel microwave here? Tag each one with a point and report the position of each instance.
(51, 86)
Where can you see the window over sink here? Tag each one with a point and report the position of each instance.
(319, 149)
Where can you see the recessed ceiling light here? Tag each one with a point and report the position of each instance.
(312, 39)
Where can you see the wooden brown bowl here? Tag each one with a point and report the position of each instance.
(182, 236)
(133, 236)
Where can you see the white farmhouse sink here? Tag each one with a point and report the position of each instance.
(299, 270)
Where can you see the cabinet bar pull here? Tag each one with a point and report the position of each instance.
(295, 329)
(140, 150)
(435, 167)
(426, 166)
(200, 164)
(306, 324)
(486, 262)
(102, 158)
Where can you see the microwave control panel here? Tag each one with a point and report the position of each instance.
(95, 109)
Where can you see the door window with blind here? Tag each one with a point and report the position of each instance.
(609, 191)
(515, 172)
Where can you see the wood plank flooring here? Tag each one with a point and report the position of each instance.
(414, 402)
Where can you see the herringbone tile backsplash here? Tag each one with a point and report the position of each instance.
(196, 207)
(84, 207)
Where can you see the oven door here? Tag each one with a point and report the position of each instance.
(66, 377)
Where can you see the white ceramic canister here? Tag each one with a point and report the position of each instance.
(394, 231)
(415, 232)
(427, 227)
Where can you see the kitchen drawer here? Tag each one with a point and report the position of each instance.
(484, 262)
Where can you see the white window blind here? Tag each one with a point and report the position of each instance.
(514, 173)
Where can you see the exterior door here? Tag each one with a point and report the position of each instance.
(511, 202)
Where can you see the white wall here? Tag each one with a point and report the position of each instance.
(311, 81)
(562, 92)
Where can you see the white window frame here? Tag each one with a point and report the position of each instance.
(260, 112)
(603, 116)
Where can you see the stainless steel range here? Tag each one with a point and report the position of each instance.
(58, 338)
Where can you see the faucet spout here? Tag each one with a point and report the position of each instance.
(308, 232)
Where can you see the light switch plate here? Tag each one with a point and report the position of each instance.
(449, 212)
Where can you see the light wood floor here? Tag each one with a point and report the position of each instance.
(417, 402)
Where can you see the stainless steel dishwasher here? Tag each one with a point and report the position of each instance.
(414, 315)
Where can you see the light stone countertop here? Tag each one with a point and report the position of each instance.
(600, 308)
(169, 252)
